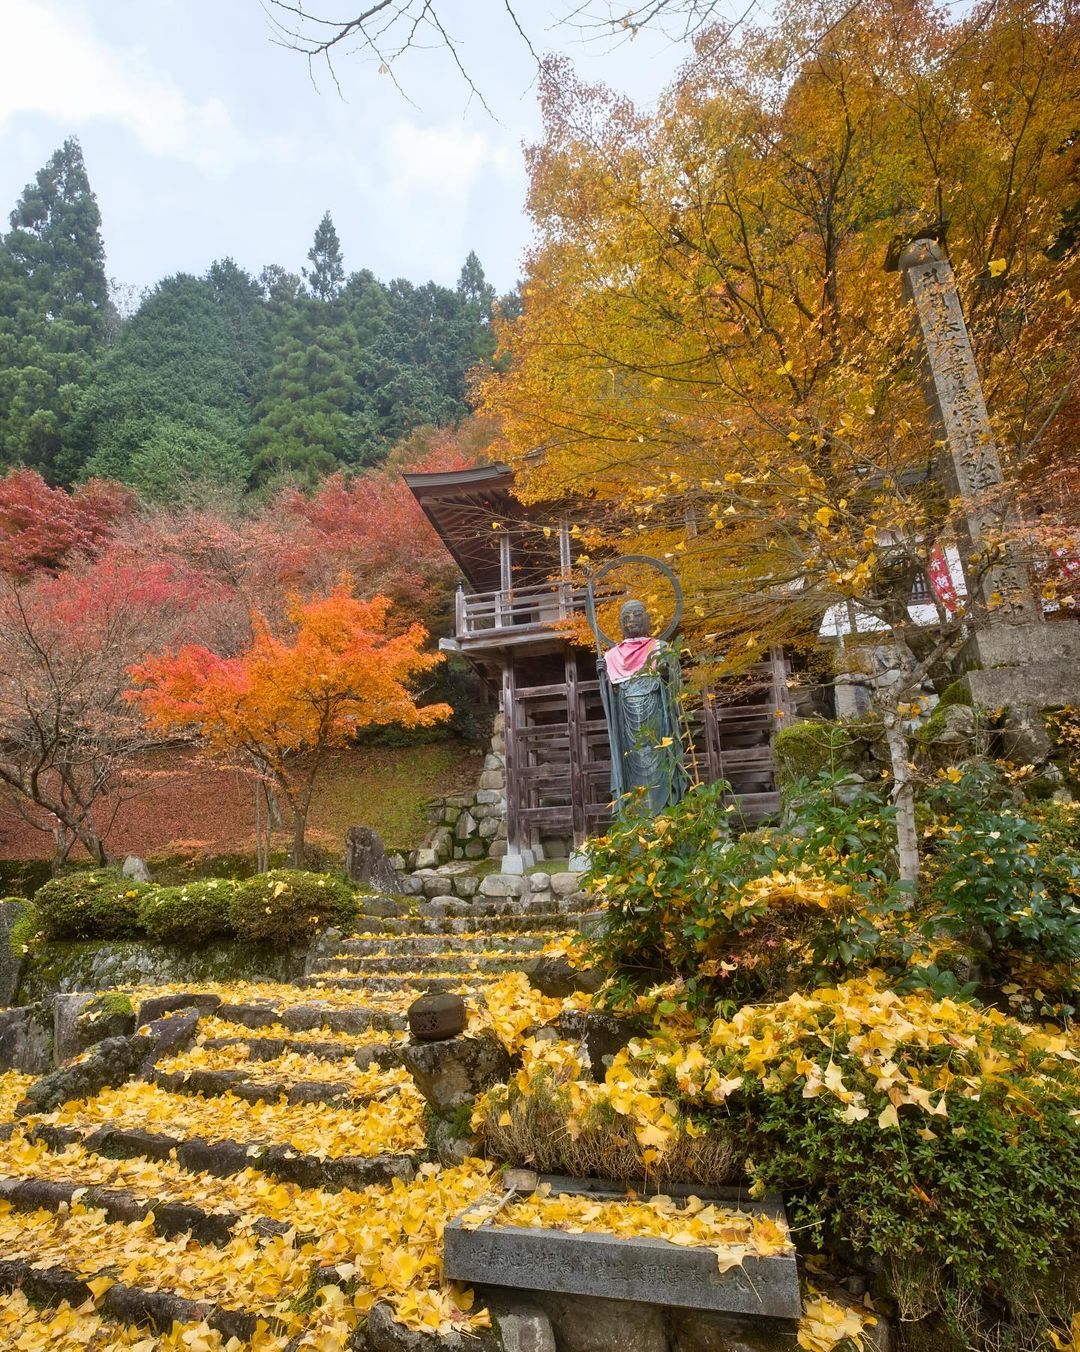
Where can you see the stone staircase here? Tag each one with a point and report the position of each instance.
(283, 1152)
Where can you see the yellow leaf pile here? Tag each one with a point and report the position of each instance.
(694, 1224)
(510, 1008)
(287, 1068)
(393, 1126)
(862, 1045)
(389, 1238)
(825, 1324)
(13, 1087)
(802, 888)
(276, 995)
(24, 1328)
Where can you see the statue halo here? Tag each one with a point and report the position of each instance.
(605, 568)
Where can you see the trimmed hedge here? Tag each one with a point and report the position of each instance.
(100, 904)
(284, 907)
(191, 914)
(289, 906)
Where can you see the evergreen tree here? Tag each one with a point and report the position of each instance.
(168, 408)
(242, 304)
(327, 271)
(475, 289)
(53, 312)
(305, 423)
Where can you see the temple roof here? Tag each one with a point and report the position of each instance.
(463, 505)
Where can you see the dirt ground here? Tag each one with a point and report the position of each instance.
(177, 801)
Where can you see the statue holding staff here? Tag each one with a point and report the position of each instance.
(640, 683)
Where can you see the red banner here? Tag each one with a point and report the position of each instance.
(941, 580)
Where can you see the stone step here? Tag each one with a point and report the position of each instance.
(470, 924)
(223, 1157)
(523, 943)
(526, 904)
(303, 1017)
(408, 987)
(384, 1054)
(466, 963)
(211, 1083)
(171, 1216)
(46, 1284)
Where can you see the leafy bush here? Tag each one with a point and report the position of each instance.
(190, 914)
(288, 906)
(99, 904)
(749, 917)
(1009, 876)
(903, 1130)
(281, 907)
(908, 1128)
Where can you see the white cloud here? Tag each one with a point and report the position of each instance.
(53, 64)
(444, 160)
(431, 181)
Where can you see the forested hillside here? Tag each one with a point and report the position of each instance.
(221, 382)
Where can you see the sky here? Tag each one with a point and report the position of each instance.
(204, 139)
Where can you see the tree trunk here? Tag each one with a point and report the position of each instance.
(907, 837)
(299, 826)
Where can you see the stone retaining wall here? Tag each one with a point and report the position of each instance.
(533, 891)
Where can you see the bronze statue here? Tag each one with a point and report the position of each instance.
(639, 684)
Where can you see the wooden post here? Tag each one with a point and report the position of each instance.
(575, 749)
(511, 720)
(459, 609)
(503, 613)
(565, 565)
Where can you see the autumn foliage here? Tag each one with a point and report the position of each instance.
(43, 527)
(66, 731)
(284, 701)
(710, 334)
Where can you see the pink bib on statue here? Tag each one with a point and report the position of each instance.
(627, 658)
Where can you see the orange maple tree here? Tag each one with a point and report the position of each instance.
(282, 703)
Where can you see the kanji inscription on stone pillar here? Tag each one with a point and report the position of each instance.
(957, 398)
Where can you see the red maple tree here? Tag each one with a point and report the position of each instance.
(43, 527)
(66, 730)
(281, 704)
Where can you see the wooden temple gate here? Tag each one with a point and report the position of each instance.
(557, 758)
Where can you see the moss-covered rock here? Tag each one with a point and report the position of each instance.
(805, 749)
(95, 965)
(13, 948)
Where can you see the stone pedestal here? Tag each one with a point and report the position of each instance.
(1023, 669)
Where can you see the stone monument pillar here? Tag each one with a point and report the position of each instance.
(972, 464)
(1024, 663)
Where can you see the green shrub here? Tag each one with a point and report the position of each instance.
(1008, 874)
(753, 916)
(98, 904)
(288, 906)
(190, 914)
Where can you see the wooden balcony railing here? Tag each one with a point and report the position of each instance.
(536, 607)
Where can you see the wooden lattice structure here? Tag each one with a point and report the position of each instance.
(515, 589)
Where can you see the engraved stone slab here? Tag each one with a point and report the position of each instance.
(642, 1269)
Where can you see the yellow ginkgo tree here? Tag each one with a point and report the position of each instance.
(712, 353)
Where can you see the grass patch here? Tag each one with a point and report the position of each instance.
(387, 788)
